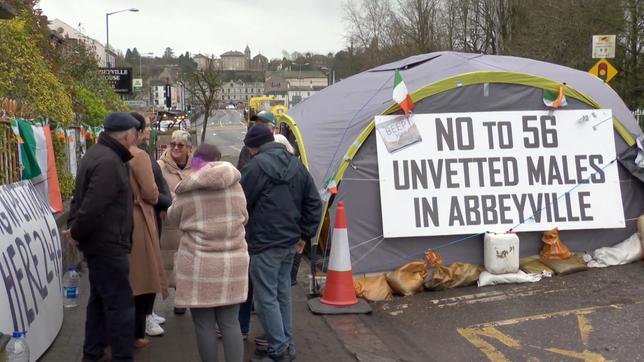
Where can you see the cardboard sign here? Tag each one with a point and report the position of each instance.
(493, 171)
(30, 267)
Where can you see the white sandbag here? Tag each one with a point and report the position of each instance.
(501, 253)
(487, 278)
(626, 252)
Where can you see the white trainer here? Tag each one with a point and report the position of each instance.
(157, 318)
(152, 328)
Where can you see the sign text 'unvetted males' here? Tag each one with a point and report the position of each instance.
(30, 267)
(492, 171)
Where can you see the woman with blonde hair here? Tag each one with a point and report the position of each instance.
(175, 165)
(212, 261)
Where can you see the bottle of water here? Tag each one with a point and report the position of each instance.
(71, 284)
(17, 349)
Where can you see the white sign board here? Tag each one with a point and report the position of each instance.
(30, 267)
(603, 46)
(137, 82)
(493, 171)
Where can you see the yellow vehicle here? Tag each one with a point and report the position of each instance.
(263, 103)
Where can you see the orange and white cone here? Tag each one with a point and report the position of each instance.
(339, 278)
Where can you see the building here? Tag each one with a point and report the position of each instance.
(294, 86)
(237, 61)
(69, 32)
(234, 92)
(162, 102)
(234, 60)
(201, 60)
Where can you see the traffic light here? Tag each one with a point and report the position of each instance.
(602, 71)
(189, 109)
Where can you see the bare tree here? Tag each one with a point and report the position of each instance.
(203, 85)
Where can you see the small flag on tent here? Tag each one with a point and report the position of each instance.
(401, 95)
(554, 99)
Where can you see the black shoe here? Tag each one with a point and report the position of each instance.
(179, 311)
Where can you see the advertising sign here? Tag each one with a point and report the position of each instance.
(119, 78)
(30, 267)
(495, 171)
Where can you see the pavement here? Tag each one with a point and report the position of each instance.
(591, 316)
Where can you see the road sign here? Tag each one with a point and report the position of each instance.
(603, 70)
(603, 46)
(137, 83)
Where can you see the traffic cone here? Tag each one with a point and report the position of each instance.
(339, 278)
(339, 297)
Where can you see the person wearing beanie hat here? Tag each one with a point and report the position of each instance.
(100, 224)
(265, 119)
(257, 136)
(284, 208)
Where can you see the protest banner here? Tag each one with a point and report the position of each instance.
(30, 267)
(493, 171)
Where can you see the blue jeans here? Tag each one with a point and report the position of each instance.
(270, 272)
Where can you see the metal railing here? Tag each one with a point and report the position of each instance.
(9, 165)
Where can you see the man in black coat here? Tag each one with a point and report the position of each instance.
(100, 224)
(284, 207)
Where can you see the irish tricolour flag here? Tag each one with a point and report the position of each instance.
(401, 96)
(555, 99)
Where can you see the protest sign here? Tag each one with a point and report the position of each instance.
(492, 171)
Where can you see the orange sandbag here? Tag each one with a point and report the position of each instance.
(373, 288)
(553, 248)
(453, 276)
(408, 279)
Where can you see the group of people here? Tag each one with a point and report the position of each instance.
(224, 237)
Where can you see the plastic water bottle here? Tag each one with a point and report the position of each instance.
(17, 349)
(71, 284)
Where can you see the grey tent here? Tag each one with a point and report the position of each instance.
(335, 129)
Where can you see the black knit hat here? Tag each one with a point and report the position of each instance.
(258, 135)
(119, 121)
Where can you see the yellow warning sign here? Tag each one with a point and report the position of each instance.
(603, 70)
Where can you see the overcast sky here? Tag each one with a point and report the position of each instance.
(209, 26)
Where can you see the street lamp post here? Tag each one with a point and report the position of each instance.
(299, 78)
(107, 31)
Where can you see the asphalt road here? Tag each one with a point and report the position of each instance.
(594, 315)
(226, 130)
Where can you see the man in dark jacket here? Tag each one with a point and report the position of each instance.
(100, 221)
(284, 207)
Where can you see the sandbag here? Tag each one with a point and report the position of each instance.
(519, 277)
(573, 264)
(408, 279)
(532, 264)
(452, 276)
(640, 231)
(373, 288)
(626, 252)
(553, 248)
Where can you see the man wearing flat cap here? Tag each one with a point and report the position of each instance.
(284, 207)
(100, 224)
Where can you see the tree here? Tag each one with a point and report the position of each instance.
(168, 53)
(203, 85)
(25, 75)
